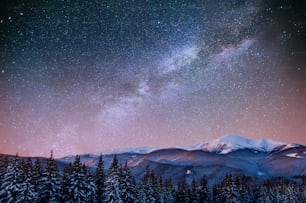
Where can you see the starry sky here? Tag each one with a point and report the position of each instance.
(88, 76)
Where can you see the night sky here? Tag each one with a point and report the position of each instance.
(88, 76)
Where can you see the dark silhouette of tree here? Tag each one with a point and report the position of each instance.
(100, 179)
(203, 190)
(183, 192)
(65, 195)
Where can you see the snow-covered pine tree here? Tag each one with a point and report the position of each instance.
(278, 189)
(291, 193)
(194, 192)
(230, 190)
(203, 190)
(3, 166)
(217, 193)
(28, 192)
(50, 183)
(244, 188)
(128, 185)
(113, 190)
(157, 191)
(100, 179)
(150, 186)
(79, 185)
(91, 188)
(140, 193)
(65, 195)
(28, 167)
(267, 194)
(169, 194)
(162, 190)
(37, 174)
(12, 182)
(183, 192)
(303, 189)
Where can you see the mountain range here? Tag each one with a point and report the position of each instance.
(259, 159)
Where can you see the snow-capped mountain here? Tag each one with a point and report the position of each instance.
(140, 150)
(231, 143)
(222, 145)
(260, 159)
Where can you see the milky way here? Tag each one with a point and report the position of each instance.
(78, 76)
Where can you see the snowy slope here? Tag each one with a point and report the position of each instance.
(261, 159)
(231, 143)
(221, 145)
(140, 150)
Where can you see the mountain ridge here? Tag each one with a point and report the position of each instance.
(223, 145)
(260, 159)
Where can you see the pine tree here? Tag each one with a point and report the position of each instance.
(12, 182)
(151, 186)
(194, 193)
(203, 190)
(50, 183)
(65, 195)
(182, 193)
(80, 186)
(37, 174)
(28, 192)
(140, 193)
(267, 193)
(291, 193)
(100, 179)
(90, 186)
(230, 190)
(169, 194)
(217, 193)
(303, 190)
(128, 185)
(244, 188)
(3, 166)
(113, 190)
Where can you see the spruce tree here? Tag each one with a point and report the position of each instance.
(12, 182)
(169, 195)
(50, 183)
(303, 190)
(244, 188)
(3, 166)
(37, 174)
(100, 179)
(28, 192)
(267, 194)
(217, 193)
(80, 186)
(203, 191)
(128, 185)
(65, 194)
(113, 190)
(183, 192)
(291, 193)
(150, 186)
(140, 193)
(230, 190)
(194, 193)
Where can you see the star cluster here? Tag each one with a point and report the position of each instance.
(87, 76)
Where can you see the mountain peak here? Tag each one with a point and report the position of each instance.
(230, 143)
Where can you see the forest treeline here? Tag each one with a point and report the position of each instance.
(27, 181)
